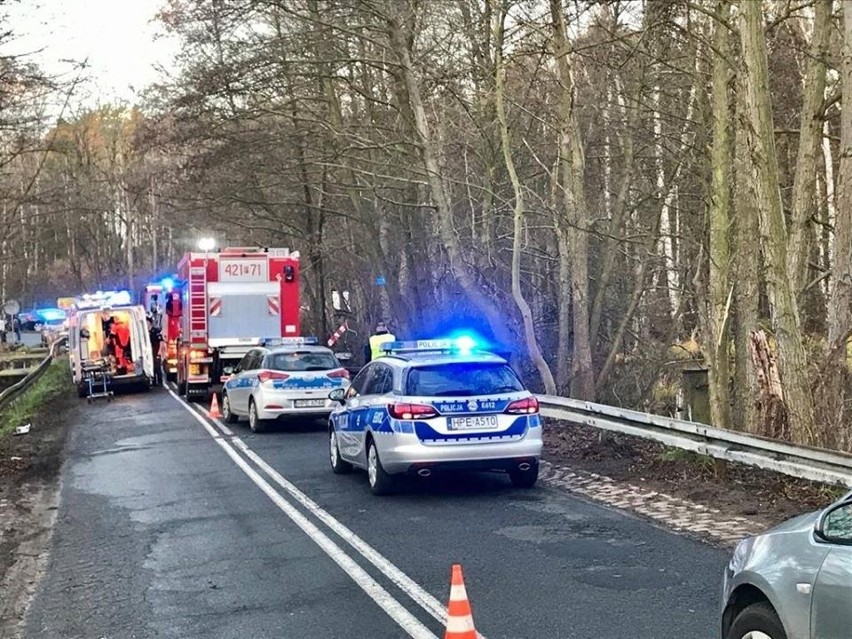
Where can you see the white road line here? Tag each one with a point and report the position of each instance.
(405, 583)
(399, 578)
(374, 590)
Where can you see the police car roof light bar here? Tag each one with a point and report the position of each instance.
(461, 345)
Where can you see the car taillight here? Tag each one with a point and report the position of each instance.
(265, 376)
(411, 411)
(526, 406)
(339, 373)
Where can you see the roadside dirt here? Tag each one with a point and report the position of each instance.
(736, 490)
(29, 492)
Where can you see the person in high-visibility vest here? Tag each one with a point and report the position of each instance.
(381, 336)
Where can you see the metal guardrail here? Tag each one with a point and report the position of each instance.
(816, 464)
(13, 391)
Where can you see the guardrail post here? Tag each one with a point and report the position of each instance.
(720, 469)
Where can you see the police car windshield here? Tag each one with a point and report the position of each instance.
(302, 361)
(466, 379)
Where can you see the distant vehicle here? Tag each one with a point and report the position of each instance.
(283, 377)
(793, 581)
(88, 342)
(229, 301)
(45, 317)
(434, 405)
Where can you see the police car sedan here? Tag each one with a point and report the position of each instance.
(433, 405)
(289, 376)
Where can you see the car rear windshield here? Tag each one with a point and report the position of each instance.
(293, 362)
(462, 380)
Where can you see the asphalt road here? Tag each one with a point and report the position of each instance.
(172, 528)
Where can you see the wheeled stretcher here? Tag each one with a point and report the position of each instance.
(96, 376)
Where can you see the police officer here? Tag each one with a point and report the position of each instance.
(381, 336)
(158, 347)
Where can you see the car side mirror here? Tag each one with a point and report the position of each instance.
(338, 395)
(229, 370)
(835, 524)
(84, 333)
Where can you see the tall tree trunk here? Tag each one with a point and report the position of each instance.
(334, 113)
(576, 223)
(810, 138)
(773, 232)
(611, 245)
(499, 16)
(441, 201)
(747, 283)
(668, 216)
(155, 228)
(840, 307)
(830, 202)
(720, 223)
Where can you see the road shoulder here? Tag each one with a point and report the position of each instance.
(683, 491)
(29, 492)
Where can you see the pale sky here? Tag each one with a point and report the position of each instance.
(117, 36)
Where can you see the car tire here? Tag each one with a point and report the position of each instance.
(757, 621)
(524, 478)
(256, 424)
(381, 483)
(227, 414)
(338, 465)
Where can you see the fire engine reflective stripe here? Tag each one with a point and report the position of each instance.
(272, 305)
(215, 306)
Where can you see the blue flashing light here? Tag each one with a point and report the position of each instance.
(289, 341)
(51, 314)
(167, 283)
(465, 344)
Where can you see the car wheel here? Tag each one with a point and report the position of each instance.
(757, 621)
(524, 478)
(381, 483)
(338, 465)
(256, 424)
(227, 414)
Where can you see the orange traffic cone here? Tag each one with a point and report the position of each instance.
(214, 412)
(460, 617)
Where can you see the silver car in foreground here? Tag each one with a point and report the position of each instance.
(793, 581)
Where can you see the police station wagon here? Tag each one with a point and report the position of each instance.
(433, 405)
(286, 376)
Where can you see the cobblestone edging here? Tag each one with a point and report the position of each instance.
(679, 514)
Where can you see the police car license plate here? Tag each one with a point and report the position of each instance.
(474, 422)
(309, 403)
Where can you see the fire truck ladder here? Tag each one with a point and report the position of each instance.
(197, 304)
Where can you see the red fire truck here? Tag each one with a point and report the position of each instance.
(229, 301)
